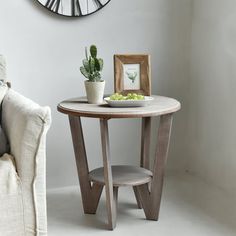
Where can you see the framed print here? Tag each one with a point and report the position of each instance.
(132, 74)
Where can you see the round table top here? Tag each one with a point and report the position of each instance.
(80, 107)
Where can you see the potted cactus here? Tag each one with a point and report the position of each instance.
(91, 70)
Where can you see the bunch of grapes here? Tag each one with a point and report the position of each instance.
(134, 96)
(130, 96)
(117, 96)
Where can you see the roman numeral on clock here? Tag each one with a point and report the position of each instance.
(53, 5)
(75, 8)
(97, 3)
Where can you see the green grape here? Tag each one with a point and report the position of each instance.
(130, 96)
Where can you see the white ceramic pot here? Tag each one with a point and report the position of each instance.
(95, 91)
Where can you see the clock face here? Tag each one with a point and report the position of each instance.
(74, 7)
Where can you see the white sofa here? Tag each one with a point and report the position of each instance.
(22, 172)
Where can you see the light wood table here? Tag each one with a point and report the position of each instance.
(147, 182)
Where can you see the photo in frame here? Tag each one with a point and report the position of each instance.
(132, 74)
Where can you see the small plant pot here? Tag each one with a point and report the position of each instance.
(95, 91)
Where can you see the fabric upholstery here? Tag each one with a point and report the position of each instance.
(9, 179)
(11, 206)
(3, 141)
(25, 124)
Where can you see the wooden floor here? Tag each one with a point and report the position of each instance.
(189, 208)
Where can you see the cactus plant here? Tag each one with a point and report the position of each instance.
(92, 66)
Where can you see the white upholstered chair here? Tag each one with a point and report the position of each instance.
(22, 171)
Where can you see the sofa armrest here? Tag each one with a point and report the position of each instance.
(26, 124)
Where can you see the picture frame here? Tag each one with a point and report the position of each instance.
(132, 74)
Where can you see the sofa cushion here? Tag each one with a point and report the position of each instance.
(11, 201)
(9, 180)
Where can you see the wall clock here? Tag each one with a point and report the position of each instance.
(74, 7)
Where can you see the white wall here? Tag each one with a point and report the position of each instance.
(212, 93)
(44, 52)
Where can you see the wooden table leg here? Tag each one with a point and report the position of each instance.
(111, 208)
(115, 195)
(151, 200)
(90, 194)
(145, 142)
(137, 196)
(145, 152)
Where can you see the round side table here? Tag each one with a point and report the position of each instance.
(147, 182)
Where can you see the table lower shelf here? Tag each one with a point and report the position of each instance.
(123, 175)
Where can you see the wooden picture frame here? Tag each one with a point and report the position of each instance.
(132, 74)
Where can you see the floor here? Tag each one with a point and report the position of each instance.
(189, 207)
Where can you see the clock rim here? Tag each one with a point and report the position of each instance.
(72, 16)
